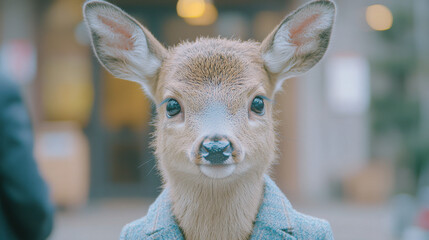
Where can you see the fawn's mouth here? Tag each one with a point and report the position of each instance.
(217, 170)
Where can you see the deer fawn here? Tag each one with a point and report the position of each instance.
(215, 134)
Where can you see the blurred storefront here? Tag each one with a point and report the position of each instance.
(92, 131)
(353, 129)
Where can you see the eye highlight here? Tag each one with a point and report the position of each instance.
(258, 105)
(173, 108)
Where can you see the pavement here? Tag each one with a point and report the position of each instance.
(354, 222)
(103, 219)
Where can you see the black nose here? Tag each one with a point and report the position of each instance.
(216, 150)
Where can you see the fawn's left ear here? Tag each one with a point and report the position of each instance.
(299, 42)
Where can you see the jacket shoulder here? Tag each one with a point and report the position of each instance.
(308, 227)
(134, 230)
(277, 213)
(159, 222)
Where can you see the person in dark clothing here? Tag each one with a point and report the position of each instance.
(25, 209)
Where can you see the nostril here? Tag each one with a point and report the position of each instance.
(228, 150)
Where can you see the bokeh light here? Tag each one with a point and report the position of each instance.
(208, 17)
(191, 8)
(379, 17)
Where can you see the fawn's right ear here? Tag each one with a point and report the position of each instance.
(125, 48)
(299, 42)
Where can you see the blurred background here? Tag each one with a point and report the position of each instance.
(354, 133)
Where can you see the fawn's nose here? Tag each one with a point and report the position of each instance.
(216, 149)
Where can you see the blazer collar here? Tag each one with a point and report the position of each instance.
(273, 216)
(160, 219)
(275, 213)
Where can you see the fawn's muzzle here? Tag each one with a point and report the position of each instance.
(216, 150)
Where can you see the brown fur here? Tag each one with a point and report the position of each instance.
(231, 72)
(214, 81)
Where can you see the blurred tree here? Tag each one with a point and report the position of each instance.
(396, 106)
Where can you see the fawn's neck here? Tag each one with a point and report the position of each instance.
(216, 208)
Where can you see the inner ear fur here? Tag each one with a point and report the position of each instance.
(299, 41)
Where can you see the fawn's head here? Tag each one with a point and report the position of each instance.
(214, 97)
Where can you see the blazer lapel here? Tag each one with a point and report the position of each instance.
(163, 224)
(273, 220)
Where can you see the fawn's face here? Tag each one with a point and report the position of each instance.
(215, 112)
(213, 96)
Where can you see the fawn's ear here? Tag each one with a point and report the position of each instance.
(123, 46)
(299, 42)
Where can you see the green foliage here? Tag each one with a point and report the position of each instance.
(397, 108)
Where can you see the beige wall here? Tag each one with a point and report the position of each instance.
(285, 172)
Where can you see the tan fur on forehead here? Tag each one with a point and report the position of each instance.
(210, 62)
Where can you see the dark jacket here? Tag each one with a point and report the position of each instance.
(25, 209)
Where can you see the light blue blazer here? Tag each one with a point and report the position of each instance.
(276, 220)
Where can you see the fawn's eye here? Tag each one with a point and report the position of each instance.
(173, 108)
(258, 105)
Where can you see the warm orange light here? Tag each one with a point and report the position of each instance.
(208, 17)
(379, 17)
(190, 8)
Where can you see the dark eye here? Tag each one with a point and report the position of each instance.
(258, 105)
(173, 108)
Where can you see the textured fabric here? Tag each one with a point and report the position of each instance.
(276, 220)
(25, 209)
